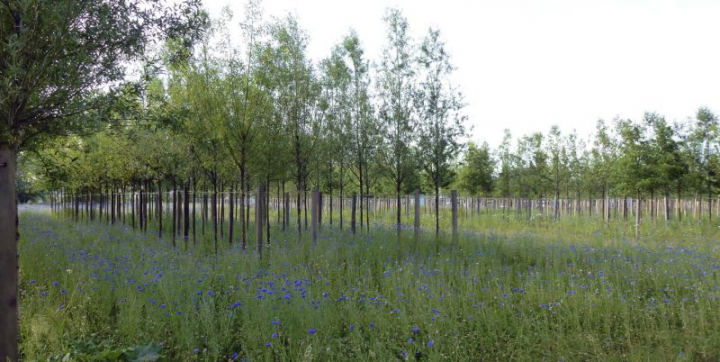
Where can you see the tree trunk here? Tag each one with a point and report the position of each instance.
(637, 216)
(399, 211)
(232, 213)
(242, 208)
(315, 213)
(437, 210)
(259, 219)
(186, 214)
(159, 209)
(174, 213)
(194, 203)
(9, 265)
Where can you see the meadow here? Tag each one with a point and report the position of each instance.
(505, 289)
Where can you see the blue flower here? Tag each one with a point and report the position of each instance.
(32, 281)
(352, 327)
(372, 325)
(63, 291)
(196, 350)
(269, 344)
(410, 340)
(416, 329)
(274, 335)
(275, 322)
(234, 356)
(236, 304)
(430, 343)
(311, 331)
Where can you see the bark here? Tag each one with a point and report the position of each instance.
(174, 213)
(437, 210)
(243, 224)
(159, 209)
(9, 266)
(186, 214)
(231, 225)
(194, 202)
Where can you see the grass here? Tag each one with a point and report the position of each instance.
(525, 290)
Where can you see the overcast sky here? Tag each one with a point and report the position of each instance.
(526, 65)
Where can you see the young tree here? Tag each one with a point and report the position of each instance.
(476, 174)
(289, 74)
(440, 123)
(364, 127)
(395, 87)
(669, 165)
(556, 149)
(705, 134)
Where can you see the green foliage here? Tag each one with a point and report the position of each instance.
(105, 352)
(477, 172)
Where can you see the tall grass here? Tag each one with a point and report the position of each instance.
(506, 289)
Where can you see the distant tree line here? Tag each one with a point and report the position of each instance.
(646, 158)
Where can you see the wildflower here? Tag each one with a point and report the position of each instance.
(32, 281)
(352, 327)
(269, 344)
(196, 350)
(396, 310)
(430, 343)
(410, 340)
(416, 329)
(63, 291)
(544, 306)
(236, 304)
(372, 325)
(274, 335)
(311, 331)
(234, 356)
(275, 322)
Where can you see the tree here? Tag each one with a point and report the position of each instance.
(705, 133)
(54, 60)
(288, 76)
(556, 149)
(669, 165)
(603, 159)
(476, 174)
(396, 83)
(364, 127)
(440, 123)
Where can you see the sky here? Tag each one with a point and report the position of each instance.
(525, 65)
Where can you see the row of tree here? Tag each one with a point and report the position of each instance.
(226, 117)
(650, 158)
